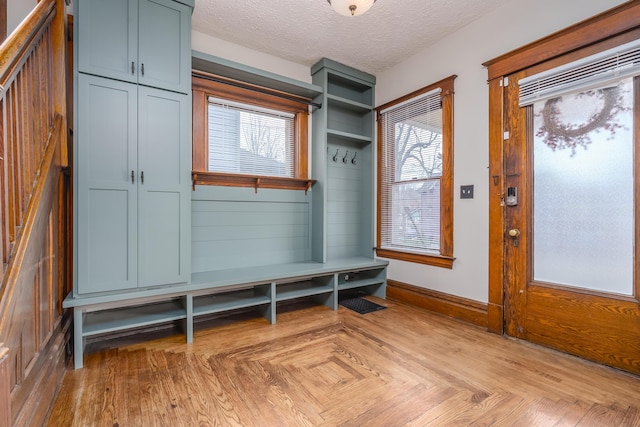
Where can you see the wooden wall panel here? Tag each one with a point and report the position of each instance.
(33, 218)
(27, 325)
(450, 305)
(3, 20)
(5, 388)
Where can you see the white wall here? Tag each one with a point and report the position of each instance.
(233, 52)
(516, 23)
(17, 10)
(462, 53)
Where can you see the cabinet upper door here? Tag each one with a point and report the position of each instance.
(108, 38)
(139, 41)
(165, 45)
(164, 195)
(106, 158)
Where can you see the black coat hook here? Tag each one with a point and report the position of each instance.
(335, 156)
(353, 160)
(345, 158)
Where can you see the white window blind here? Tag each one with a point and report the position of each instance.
(410, 174)
(594, 71)
(251, 140)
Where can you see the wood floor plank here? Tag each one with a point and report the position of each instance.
(320, 367)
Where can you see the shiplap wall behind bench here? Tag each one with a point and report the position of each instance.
(235, 227)
(349, 234)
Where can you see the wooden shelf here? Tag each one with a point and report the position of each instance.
(349, 137)
(100, 322)
(348, 104)
(238, 180)
(359, 284)
(217, 303)
(233, 70)
(300, 289)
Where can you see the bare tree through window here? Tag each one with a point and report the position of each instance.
(418, 167)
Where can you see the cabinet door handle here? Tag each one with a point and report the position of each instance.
(133, 68)
(133, 177)
(142, 69)
(142, 177)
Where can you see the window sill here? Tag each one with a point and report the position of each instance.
(253, 181)
(434, 260)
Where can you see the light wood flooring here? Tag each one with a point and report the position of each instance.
(319, 367)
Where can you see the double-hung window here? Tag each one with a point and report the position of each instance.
(415, 215)
(246, 139)
(248, 136)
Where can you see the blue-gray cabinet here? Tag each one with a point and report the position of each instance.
(133, 186)
(106, 202)
(132, 151)
(139, 41)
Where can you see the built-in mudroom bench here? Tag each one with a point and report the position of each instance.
(223, 291)
(159, 239)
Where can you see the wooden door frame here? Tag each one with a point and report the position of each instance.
(617, 25)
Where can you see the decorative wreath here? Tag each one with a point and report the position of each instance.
(560, 136)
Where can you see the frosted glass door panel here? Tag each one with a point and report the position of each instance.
(583, 207)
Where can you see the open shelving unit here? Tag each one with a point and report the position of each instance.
(216, 292)
(101, 322)
(343, 163)
(231, 300)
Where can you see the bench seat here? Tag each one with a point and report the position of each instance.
(218, 291)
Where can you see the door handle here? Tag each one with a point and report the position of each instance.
(514, 233)
(133, 177)
(133, 68)
(142, 177)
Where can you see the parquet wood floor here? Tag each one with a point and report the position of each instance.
(401, 366)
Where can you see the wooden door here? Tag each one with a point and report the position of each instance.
(106, 204)
(164, 187)
(571, 220)
(108, 38)
(165, 45)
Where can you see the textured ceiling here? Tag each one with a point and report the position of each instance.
(303, 31)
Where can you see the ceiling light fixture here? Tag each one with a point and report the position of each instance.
(351, 7)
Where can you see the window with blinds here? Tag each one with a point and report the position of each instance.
(604, 69)
(411, 172)
(250, 140)
(248, 136)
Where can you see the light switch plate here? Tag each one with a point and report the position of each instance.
(466, 191)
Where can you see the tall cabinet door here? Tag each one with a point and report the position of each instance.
(108, 38)
(165, 45)
(106, 191)
(164, 190)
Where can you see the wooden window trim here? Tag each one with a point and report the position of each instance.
(445, 258)
(612, 27)
(205, 85)
(610, 23)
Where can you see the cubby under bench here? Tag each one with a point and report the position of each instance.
(223, 290)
